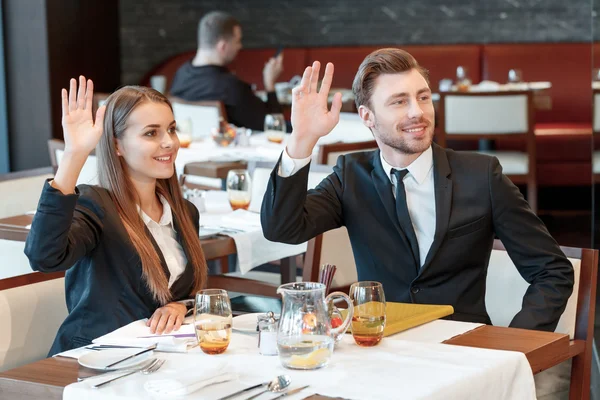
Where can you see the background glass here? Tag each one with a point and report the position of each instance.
(275, 127)
(212, 320)
(239, 188)
(369, 313)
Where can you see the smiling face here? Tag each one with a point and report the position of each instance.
(149, 144)
(400, 113)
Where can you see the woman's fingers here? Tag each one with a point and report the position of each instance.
(89, 95)
(100, 117)
(81, 93)
(170, 323)
(73, 95)
(65, 102)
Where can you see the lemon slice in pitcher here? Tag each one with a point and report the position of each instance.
(310, 360)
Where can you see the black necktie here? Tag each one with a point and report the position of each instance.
(403, 215)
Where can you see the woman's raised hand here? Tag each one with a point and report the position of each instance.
(81, 132)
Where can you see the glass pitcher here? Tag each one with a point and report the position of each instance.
(305, 338)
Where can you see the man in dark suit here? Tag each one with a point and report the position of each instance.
(421, 219)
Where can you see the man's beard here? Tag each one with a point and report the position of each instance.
(399, 141)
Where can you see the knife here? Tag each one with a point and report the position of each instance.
(147, 349)
(232, 395)
(290, 392)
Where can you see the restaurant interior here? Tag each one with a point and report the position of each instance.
(515, 79)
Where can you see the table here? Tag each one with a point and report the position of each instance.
(46, 379)
(14, 228)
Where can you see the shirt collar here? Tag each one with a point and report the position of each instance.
(167, 216)
(418, 169)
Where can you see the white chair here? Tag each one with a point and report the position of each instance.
(14, 260)
(21, 191)
(505, 289)
(89, 172)
(494, 115)
(349, 129)
(32, 308)
(596, 134)
(260, 173)
(331, 247)
(204, 116)
(329, 153)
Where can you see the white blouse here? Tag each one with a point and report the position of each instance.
(165, 236)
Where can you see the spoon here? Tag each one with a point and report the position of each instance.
(275, 386)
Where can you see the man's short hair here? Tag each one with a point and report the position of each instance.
(214, 26)
(379, 62)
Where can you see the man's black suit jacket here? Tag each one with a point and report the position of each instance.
(474, 203)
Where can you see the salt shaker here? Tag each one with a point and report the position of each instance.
(267, 335)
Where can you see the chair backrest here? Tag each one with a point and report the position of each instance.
(14, 260)
(349, 129)
(596, 109)
(89, 172)
(204, 116)
(329, 153)
(486, 115)
(98, 101)
(32, 308)
(505, 289)
(331, 247)
(21, 190)
(260, 172)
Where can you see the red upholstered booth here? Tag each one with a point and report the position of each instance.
(566, 65)
(563, 133)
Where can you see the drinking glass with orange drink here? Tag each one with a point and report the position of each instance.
(239, 188)
(212, 320)
(275, 127)
(369, 313)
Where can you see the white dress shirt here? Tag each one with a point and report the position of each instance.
(420, 193)
(165, 236)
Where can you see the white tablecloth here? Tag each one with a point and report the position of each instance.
(252, 247)
(399, 367)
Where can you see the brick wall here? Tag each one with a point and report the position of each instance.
(153, 30)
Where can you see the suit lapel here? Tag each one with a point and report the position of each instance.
(384, 189)
(443, 200)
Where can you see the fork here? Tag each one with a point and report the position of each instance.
(153, 366)
(148, 364)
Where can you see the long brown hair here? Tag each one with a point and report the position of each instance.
(113, 175)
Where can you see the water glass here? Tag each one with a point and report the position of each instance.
(275, 127)
(515, 76)
(212, 320)
(239, 188)
(368, 321)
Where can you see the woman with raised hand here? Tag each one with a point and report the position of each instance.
(130, 245)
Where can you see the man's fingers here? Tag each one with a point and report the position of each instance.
(336, 105)
(305, 82)
(314, 76)
(327, 79)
